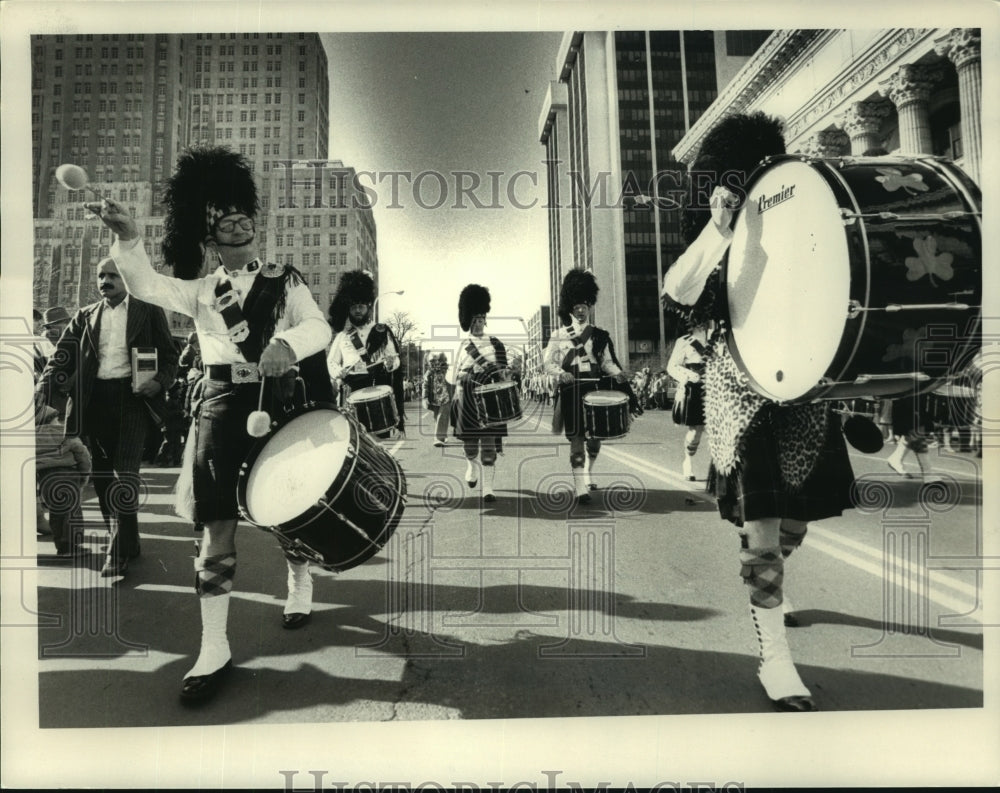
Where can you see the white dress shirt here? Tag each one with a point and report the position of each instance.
(684, 352)
(466, 363)
(561, 343)
(302, 325)
(113, 360)
(344, 359)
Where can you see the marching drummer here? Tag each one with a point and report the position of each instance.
(775, 467)
(254, 321)
(364, 353)
(481, 360)
(581, 357)
(686, 366)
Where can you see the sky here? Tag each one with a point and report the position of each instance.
(442, 103)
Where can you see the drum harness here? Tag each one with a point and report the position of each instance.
(247, 327)
(480, 360)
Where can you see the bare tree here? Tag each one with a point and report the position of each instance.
(401, 325)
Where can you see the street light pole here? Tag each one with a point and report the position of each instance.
(375, 304)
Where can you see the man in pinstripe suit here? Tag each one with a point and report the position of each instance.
(92, 367)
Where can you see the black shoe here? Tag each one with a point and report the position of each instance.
(791, 621)
(592, 487)
(201, 688)
(114, 568)
(584, 499)
(795, 704)
(295, 621)
(472, 482)
(489, 498)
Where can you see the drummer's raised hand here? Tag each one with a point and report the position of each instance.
(276, 359)
(114, 216)
(722, 203)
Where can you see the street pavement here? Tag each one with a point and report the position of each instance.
(533, 606)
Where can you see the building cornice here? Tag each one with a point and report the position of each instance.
(773, 57)
(767, 65)
(861, 75)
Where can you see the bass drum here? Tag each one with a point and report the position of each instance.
(323, 486)
(854, 277)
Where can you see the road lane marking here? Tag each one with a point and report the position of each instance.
(878, 555)
(826, 540)
(957, 606)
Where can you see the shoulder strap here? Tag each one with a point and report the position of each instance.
(500, 351)
(228, 305)
(475, 355)
(578, 358)
(355, 339)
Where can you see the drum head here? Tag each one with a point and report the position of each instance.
(605, 398)
(371, 393)
(788, 280)
(296, 467)
(488, 387)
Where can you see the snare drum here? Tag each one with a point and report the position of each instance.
(375, 407)
(498, 402)
(326, 489)
(854, 277)
(606, 415)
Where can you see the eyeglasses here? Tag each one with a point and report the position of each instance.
(227, 226)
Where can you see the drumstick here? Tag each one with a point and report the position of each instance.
(259, 421)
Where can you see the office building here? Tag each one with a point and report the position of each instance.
(617, 94)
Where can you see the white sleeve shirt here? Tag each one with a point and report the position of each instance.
(113, 355)
(344, 358)
(685, 280)
(560, 344)
(302, 325)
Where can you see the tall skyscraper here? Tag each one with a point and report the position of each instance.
(622, 101)
(124, 106)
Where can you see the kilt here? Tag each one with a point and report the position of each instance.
(754, 489)
(689, 406)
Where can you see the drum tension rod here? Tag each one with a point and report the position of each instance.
(344, 519)
(854, 307)
(849, 217)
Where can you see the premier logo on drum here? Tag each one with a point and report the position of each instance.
(767, 202)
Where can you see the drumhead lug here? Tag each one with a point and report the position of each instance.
(854, 309)
(847, 217)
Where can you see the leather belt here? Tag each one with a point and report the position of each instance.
(233, 372)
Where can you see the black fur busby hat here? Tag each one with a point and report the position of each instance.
(578, 286)
(208, 183)
(474, 299)
(728, 155)
(355, 286)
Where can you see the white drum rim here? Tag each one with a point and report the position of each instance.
(605, 398)
(766, 371)
(370, 393)
(490, 387)
(249, 475)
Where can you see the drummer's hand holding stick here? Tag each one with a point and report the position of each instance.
(114, 216)
(276, 359)
(566, 378)
(722, 204)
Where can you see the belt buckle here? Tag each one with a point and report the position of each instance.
(245, 373)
